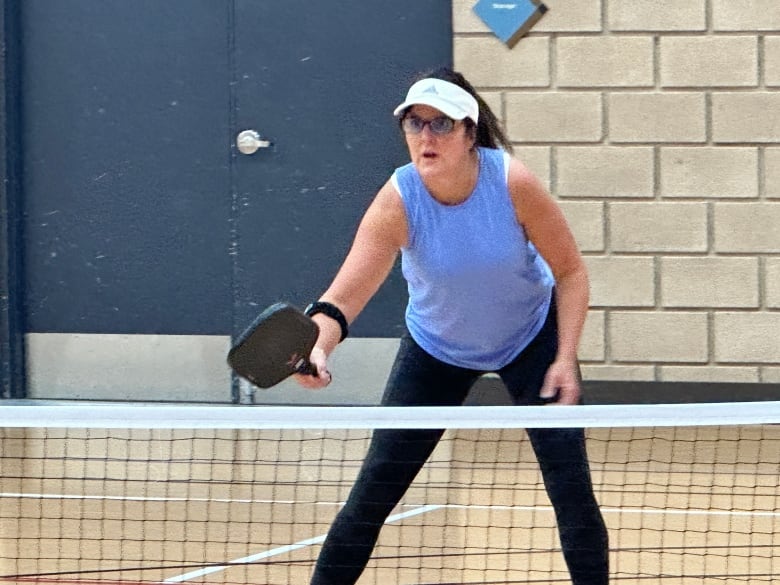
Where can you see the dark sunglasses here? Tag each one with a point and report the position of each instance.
(440, 125)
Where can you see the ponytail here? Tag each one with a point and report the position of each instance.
(488, 132)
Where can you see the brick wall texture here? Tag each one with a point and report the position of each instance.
(656, 125)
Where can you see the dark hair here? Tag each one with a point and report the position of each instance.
(488, 131)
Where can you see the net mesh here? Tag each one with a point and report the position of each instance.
(83, 500)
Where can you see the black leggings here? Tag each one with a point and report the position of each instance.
(396, 456)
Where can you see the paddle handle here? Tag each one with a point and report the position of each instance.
(307, 368)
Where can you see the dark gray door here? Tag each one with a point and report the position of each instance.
(320, 80)
(143, 223)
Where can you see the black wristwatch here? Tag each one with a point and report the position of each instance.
(331, 311)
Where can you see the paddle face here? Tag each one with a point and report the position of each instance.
(275, 346)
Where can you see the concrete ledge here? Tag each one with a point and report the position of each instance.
(169, 368)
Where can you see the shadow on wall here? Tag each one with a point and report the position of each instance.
(491, 392)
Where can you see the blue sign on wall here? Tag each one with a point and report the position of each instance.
(510, 20)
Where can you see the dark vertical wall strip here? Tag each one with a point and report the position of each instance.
(235, 390)
(11, 325)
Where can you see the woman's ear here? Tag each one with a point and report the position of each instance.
(472, 131)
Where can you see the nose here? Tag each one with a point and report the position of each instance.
(427, 133)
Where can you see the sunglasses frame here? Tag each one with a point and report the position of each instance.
(419, 124)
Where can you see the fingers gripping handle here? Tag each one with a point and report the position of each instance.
(306, 368)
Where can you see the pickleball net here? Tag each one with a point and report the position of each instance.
(111, 494)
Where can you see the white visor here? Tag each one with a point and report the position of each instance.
(448, 98)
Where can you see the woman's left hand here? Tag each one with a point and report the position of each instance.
(562, 383)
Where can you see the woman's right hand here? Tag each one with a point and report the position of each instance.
(319, 360)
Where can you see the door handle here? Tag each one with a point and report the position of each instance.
(249, 142)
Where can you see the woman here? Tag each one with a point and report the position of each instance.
(496, 284)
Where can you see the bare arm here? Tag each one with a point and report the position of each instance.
(380, 236)
(548, 230)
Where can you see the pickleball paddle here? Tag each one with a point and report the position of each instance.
(276, 345)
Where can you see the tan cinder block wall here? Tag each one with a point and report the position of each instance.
(656, 124)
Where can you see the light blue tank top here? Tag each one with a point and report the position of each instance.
(479, 292)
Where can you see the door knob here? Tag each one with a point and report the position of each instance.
(249, 142)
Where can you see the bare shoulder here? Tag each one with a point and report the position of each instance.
(528, 193)
(386, 215)
(543, 221)
(389, 199)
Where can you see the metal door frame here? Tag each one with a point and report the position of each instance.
(12, 358)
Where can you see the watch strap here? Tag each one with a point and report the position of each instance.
(332, 311)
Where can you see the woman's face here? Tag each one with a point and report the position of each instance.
(436, 155)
